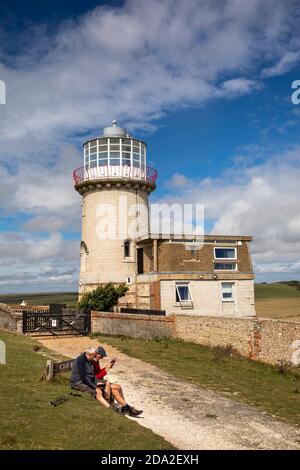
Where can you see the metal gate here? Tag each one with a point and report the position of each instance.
(66, 322)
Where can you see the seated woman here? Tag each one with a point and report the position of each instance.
(109, 389)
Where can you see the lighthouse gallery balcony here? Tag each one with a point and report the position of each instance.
(82, 174)
(113, 158)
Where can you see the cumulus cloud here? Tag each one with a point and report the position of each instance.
(135, 63)
(285, 63)
(260, 200)
(140, 60)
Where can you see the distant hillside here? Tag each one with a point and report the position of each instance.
(277, 290)
(41, 298)
(278, 300)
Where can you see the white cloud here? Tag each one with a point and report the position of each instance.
(259, 200)
(139, 60)
(285, 63)
(238, 86)
(134, 63)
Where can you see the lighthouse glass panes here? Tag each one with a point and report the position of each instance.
(115, 151)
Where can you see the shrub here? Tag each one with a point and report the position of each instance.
(284, 367)
(221, 352)
(103, 298)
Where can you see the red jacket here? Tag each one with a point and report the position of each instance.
(99, 373)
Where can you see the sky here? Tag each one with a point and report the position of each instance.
(208, 86)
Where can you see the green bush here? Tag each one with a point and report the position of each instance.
(102, 298)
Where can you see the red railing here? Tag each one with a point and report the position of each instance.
(114, 171)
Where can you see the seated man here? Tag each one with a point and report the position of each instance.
(115, 389)
(83, 378)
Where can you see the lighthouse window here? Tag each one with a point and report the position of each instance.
(126, 160)
(114, 158)
(115, 152)
(103, 161)
(115, 147)
(127, 249)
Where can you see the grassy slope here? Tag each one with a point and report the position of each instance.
(29, 422)
(69, 298)
(275, 291)
(277, 301)
(247, 381)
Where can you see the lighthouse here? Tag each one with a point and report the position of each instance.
(164, 275)
(115, 183)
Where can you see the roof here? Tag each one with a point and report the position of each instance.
(192, 237)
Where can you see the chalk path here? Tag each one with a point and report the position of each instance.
(185, 414)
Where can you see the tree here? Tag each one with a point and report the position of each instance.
(103, 298)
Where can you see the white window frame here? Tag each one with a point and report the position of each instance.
(227, 270)
(226, 248)
(183, 284)
(233, 292)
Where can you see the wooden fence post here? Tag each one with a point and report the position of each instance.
(49, 370)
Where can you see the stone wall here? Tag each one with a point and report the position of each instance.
(136, 326)
(266, 340)
(10, 320)
(279, 340)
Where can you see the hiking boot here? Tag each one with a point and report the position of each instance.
(115, 408)
(134, 413)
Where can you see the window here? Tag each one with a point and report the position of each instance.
(183, 293)
(115, 152)
(225, 253)
(83, 256)
(225, 266)
(227, 291)
(127, 249)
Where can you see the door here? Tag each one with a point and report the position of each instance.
(140, 261)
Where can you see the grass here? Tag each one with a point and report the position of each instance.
(247, 381)
(29, 422)
(275, 291)
(69, 298)
(277, 301)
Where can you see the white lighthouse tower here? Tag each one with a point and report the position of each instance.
(114, 183)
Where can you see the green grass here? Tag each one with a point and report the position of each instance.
(277, 301)
(247, 381)
(275, 291)
(29, 422)
(69, 298)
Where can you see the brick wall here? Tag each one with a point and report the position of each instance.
(175, 257)
(136, 326)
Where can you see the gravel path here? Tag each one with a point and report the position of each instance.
(185, 414)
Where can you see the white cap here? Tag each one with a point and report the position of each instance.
(114, 131)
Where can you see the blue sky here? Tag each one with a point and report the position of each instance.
(207, 86)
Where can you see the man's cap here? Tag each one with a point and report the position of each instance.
(101, 351)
